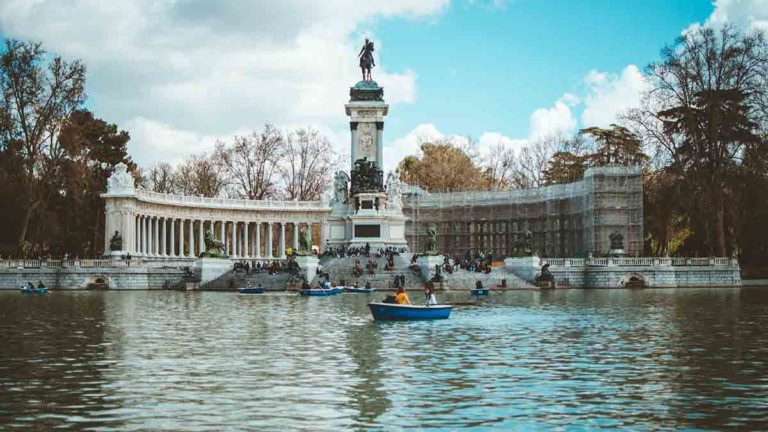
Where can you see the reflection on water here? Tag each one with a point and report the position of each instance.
(589, 359)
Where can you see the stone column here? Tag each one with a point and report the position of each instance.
(309, 230)
(173, 238)
(233, 243)
(221, 233)
(163, 243)
(191, 235)
(379, 145)
(268, 252)
(324, 234)
(282, 240)
(246, 242)
(139, 233)
(156, 230)
(258, 239)
(145, 246)
(201, 236)
(295, 237)
(181, 238)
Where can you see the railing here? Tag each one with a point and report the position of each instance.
(172, 199)
(640, 262)
(96, 263)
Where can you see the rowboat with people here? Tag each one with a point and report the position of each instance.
(404, 312)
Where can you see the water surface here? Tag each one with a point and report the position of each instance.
(571, 359)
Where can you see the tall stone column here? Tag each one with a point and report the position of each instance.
(268, 252)
(181, 238)
(191, 235)
(309, 230)
(258, 239)
(233, 243)
(246, 242)
(295, 237)
(200, 239)
(146, 236)
(139, 233)
(281, 241)
(221, 232)
(163, 243)
(156, 232)
(324, 235)
(173, 238)
(150, 236)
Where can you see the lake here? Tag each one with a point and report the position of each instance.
(524, 360)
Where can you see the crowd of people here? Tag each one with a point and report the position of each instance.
(271, 267)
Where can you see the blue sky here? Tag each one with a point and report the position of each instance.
(482, 69)
(181, 74)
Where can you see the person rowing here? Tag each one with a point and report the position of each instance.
(402, 297)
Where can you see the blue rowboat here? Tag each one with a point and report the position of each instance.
(397, 312)
(479, 292)
(359, 290)
(34, 290)
(321, 292)
(251, 291)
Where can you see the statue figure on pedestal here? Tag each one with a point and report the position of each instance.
(340, 188)
(366, 60)
(116, 242)
(617, 241)
(431, 243)
(305, 242)
(213, 246)
(394, 191)
(522, 247)
(121, 181)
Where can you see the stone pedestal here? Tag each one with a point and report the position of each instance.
(308, 264)
(114, 255)
(525, 268)
(212, 268)
(427, 264)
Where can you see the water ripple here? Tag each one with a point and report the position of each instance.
(581, 360)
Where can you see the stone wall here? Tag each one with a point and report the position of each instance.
(79, 278)
(616, 272)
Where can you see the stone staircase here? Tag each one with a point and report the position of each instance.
(342, 269)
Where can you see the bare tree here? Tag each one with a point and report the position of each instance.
(308, 162)
(252, 163)
(203, 175)
(161, 178)
(499, 166)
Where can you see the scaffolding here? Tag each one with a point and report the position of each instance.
(567, 220)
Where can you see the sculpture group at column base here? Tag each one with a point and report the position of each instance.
(427, 265)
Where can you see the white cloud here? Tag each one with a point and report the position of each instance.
(195, 69)
(747, 14)
(558, 119)
(409, 144)
(609, 95)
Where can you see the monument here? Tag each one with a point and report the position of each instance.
(213, 262)
(304, 257)
(365, 210)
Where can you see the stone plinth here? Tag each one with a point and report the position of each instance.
(526, 268)
(308, 264)
(212, 268)
(427, 264)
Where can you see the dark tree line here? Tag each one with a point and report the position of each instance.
(55, 156)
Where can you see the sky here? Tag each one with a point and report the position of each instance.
(181, 74)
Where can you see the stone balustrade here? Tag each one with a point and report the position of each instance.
(640, 262)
